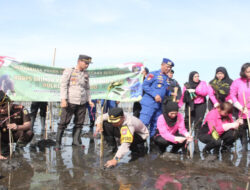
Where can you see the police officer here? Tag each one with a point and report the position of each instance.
(129, 129)
(16, 118)
(75, 93)
(155, 87)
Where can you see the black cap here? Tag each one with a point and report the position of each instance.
(115, 115)
(85, 58)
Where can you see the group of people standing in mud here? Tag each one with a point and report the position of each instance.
(156, 116)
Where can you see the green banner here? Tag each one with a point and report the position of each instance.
(31, 82)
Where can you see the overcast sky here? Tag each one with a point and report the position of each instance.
(194, 34)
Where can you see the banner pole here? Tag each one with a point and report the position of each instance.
(51, 103)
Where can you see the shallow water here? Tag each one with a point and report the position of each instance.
(81, 168)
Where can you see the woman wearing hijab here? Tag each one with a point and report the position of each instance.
(171, 128)
(194, 95)
(219, 127)
(240, 88)
(219, 88)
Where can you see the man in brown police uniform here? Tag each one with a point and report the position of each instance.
(75, 93)
(16, 118)
(129, 129)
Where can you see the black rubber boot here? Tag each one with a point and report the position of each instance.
(43, 120)
(33, 118)
(76, 136)
(59, 136)
(79, 138)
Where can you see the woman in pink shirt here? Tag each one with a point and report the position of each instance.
(194, 95)
(170, 128)
(219, 88)
(239, 88)
(218, 128)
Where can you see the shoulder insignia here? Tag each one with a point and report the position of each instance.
(150, 76)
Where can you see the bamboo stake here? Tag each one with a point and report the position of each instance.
(245, 103)
(51, 104)
(45, 134)
(10, 138)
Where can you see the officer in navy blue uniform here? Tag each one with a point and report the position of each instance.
(155, 88)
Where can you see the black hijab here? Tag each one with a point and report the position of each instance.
(221, 87)
(191, 84)
(169, 106)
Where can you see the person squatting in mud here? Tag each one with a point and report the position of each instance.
(129, 129)
(218, 128)
(16, 118)
(171, 128)
(75, 93)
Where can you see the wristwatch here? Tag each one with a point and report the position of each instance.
(116, 158)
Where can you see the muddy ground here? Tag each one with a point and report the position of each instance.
(74, 168)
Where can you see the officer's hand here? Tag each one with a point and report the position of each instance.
(111, 163)
(64, 103)
(157, 98)
(180, 139)
(2, 157)
(12, 126)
